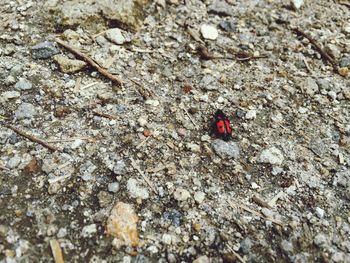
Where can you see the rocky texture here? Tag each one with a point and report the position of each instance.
(122, 224)
(69, 65)
(277, 191)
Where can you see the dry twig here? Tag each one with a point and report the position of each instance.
(105, 115)
(236, 254)
(323, 53)
(30, 137)
(254, 213)
(260, 201)
(91, 62)
(56, 251)
(133, 163)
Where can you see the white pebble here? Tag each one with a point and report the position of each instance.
(209, 32)
(251, 114)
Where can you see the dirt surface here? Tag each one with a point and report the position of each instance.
(133, 173)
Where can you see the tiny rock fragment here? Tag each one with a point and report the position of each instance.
(122, 224)
(199, 197)
(32, 167)
(44, 50)
(89, 230)
(115, 35)
(68, 65)
(201, 259)
(226, 149)
(297, 3)
(135, 190)
(272, 156)
(181, 194)
(23, 84)
(56, 251)
(344, 72)
(251, 114)
(209, 32)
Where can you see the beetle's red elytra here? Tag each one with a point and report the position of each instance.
(221, 126)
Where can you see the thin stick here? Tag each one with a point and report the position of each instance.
(4, 168)
(273, 201)
(143, 176)
(77, 86)
(70, 139)
(255, 213)
(323, 53)
(189, 116)
(56, 251)
(236, 254)
(89, 85)
(307, 65)
(105, 115)
(30, 137)
(92, 63)
(260, 201)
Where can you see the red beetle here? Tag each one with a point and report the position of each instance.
(221, 126)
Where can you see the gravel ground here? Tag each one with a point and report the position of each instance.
(132, 173)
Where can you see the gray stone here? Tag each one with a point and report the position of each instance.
(320, 240)
(199, 197)
(221, 8)
(228, 26)
(272, 156)
(309, 86)
(7, 95)
(345, 62)
(287, 246)
(135, 190)
(246, 245)
(44, 50)
(208, 82)
(25, 110)
(297, 4)
(323, 84)
(119, 167)
(89, 230)
(342, 178)
(319, 212)
(23, 84)
(226, 149)
(13, 162)
(113, 187)
(115, 35)
(251, 114)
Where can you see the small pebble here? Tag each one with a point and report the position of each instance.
(272, 156)
(25, 111)
(13, 162)
(195, 148)
(251, 114)
(23, 84)
(44, 50)
(199, 197)
(115, 35)
(209, 32)
(113, 187)
(319, 212)
(135, 190)
(181, 194)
